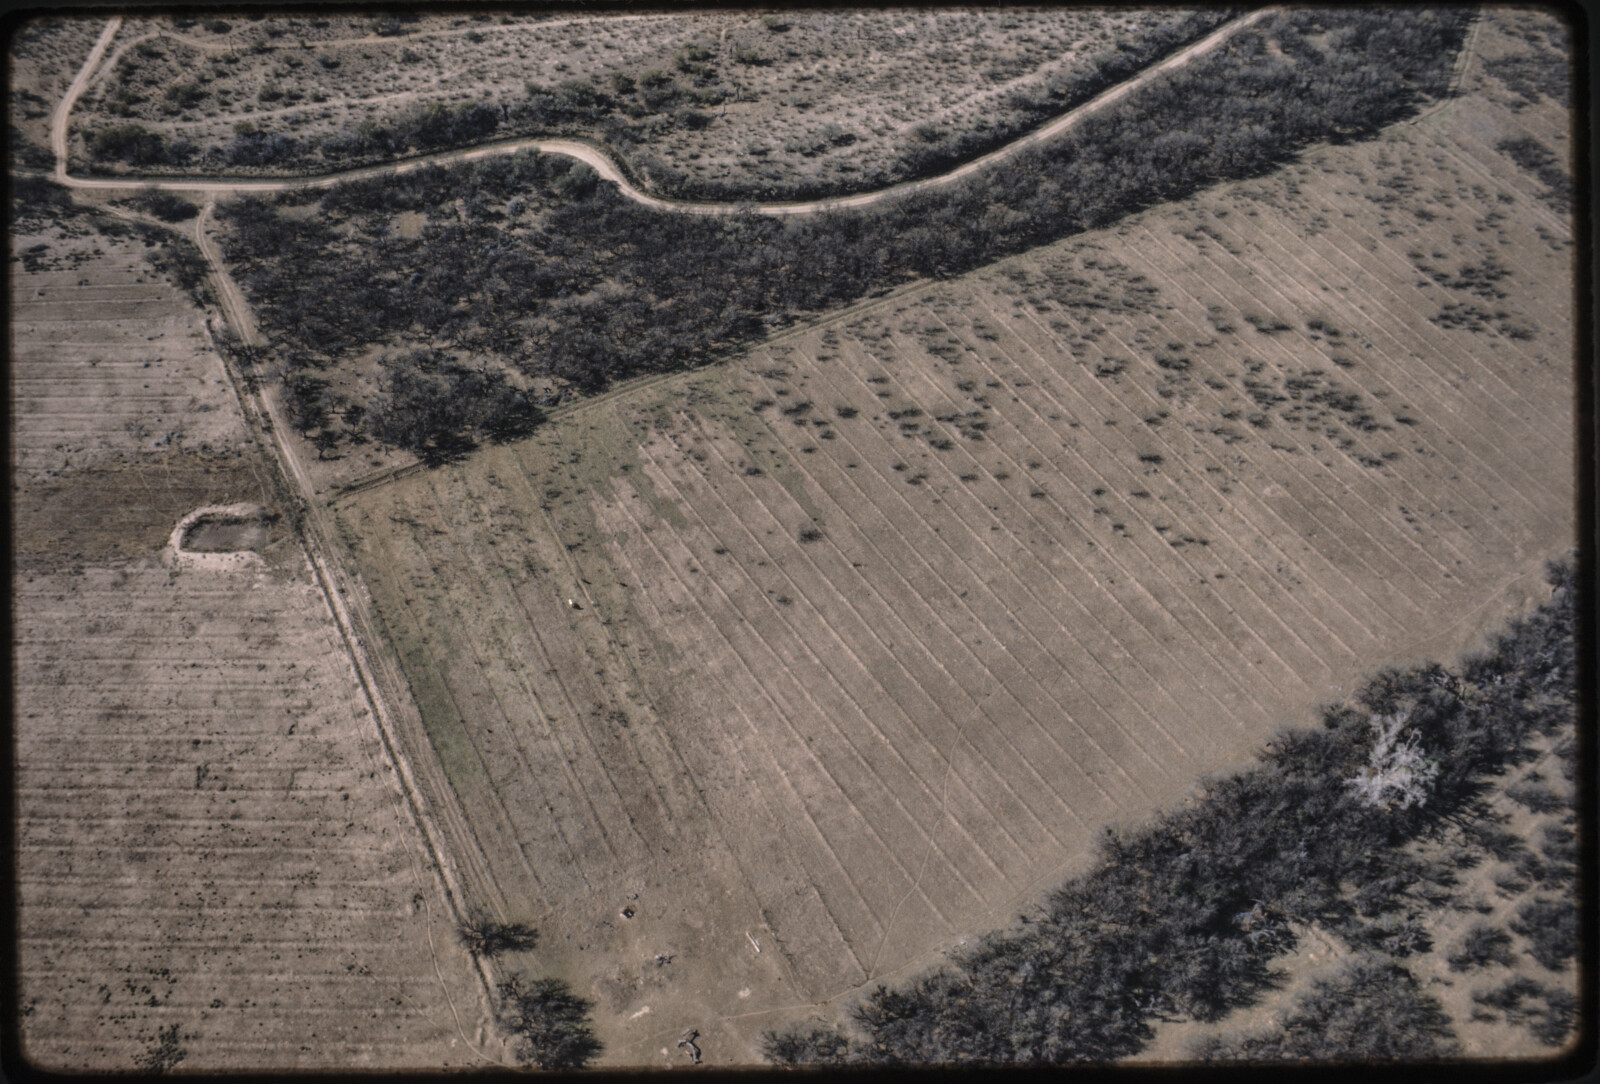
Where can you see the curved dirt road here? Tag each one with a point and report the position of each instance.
(58, 120)
(604, 165)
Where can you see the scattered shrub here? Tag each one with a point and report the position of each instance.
(1534, 795)
(1370, 1009)
(1551, 929)
(132, 143)
(1480, 946)
(1543, 1010)
(166, 206)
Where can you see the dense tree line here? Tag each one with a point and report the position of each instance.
(528, 260)
(1184, 915)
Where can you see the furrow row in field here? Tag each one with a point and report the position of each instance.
(1243, 509)
(1228, 270)
(1002, 545)
(943, 647)
(821, 771)
(449, 729)
(1405, 319)
(1116, 469)
(785, 775)
(1237, 514)
(1133, 611)
(578, 743)
(1175, 463)
(911, 698)
(877, 699)
(955, 568)
(1338, 493)
(501, 747)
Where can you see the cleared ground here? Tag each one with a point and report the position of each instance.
(208, 838)
(870, 633)
(829, 98)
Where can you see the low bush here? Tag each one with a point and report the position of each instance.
(1543, 1010)
(1550, 927)
(1480, 946)
(547, 1023)
(166, 206)
(1369, 1009)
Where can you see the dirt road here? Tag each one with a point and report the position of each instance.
(607, 168)
(58, 122)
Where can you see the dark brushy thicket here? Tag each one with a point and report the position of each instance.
(1185, 915)
(548, 1025)
(529, 261)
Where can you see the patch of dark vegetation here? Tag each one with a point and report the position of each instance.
(25, 152)
(547, 1023)
(1185, 915)
(1550, 926)
(36, 200)
(164, 1053)
(583, 286)
(1314, 403)
(176, 256)
(483, 935)
(135, 145)
(432, 404)
(1534, 795)
(1541, 161)
(1535, 73)
(165, 206)
(1481, 946)
(1370, 1009)
(1477, 279)
(1544, 1010)
(1466, 316)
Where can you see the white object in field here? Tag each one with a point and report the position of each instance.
(754, 943)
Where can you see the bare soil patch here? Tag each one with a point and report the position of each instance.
(109, 358)
(219, 533)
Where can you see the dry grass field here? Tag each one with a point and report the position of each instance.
(44, 56)
(215, 866)
(850, 648)
(721, 101)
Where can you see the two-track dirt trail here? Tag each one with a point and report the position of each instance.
(607, 167)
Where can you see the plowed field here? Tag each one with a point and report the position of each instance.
(856, 644)
(215, 866)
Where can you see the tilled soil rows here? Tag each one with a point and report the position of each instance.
(216, 868)
(882, 624)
